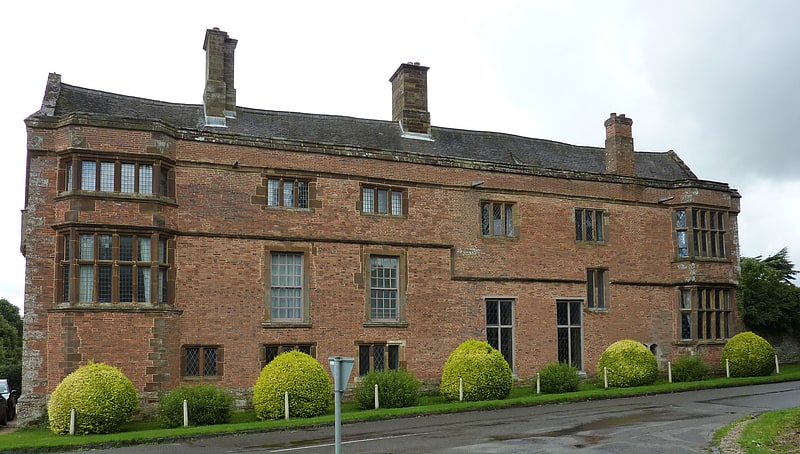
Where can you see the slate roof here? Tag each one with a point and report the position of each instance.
(447, 143)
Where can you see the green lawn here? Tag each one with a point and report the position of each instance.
(150, 432)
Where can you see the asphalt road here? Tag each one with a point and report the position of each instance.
(667, 423)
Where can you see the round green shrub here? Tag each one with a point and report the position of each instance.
(629, 363)
(690, 368)
(396, 388)
(300, 375)
(558, 377)
(749, 355)
(485, 373)
(206, 404)
(102, 396)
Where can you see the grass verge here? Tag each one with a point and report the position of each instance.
(39, 439)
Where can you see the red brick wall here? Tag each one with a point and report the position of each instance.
(221, 239)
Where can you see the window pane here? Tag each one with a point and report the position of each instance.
(86, 247)
(683, 248)
(394, 357)
(575, 343)
(86, 289)
(562, 314)
(598, 225)
(497, 216)
(143, 287)
(485, 219)
(192, 362)
(686, 326)
(379, 359)
(145, 179)
(590, 288)
(68, 174)
(162, 250)
(104, 249)
(509, 220)
(506, 313)
(492, 314)
(125, 283)
(383, 201)
(143, 249)
(680, 219)
(397, 203)
(125, 248)
(493, 337)
(589, 229)
(302, 194)
(104, 284)
(367, 204)
(506, 345)
(270, 352)
(575, 313)
(164, 186)
(66, 283)
(363, 360)
(272, 192)
(579, 225)
(162, 286)
(107, 176)
(88, 175)
(127, 178)
(563, 345)
(288, 193)
(209, 362)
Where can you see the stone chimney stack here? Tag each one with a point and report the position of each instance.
(619, 145)
(219, 97)
(410, 98)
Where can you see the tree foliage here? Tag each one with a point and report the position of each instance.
(768, 301)
(10, 333)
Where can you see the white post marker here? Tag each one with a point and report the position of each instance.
(72, 422)
(340, 369)
(460, 389)
(727, 368)
(669, 371)
(185, 413)
(605, 377)
(377, 402)
(538, 384)
(286, 404)
(777, 366)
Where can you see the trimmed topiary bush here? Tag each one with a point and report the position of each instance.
(629, 363)
(305, 379)
(102, 396)
(690, 368)
(206, 403)
(558, 377)
(749, 355)
(396, 388)
(484, 371)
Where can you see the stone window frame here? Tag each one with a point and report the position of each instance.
(69, 263)
(300, 192)
(305, 317)
(599, 235)
(508, 226)
(367, 356)
(566, 308)
(70, 181)
(371, 206)
(697, 233)
(219, 362)
(269, 351)
(705, 313)
(366, 280)
(501, 325)
(597, 289)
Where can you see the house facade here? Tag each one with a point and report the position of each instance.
(193, 243)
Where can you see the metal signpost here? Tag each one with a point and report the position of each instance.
(340, 368)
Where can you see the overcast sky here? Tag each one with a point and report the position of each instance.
(718, 82)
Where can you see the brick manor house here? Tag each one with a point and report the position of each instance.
(193, 243)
